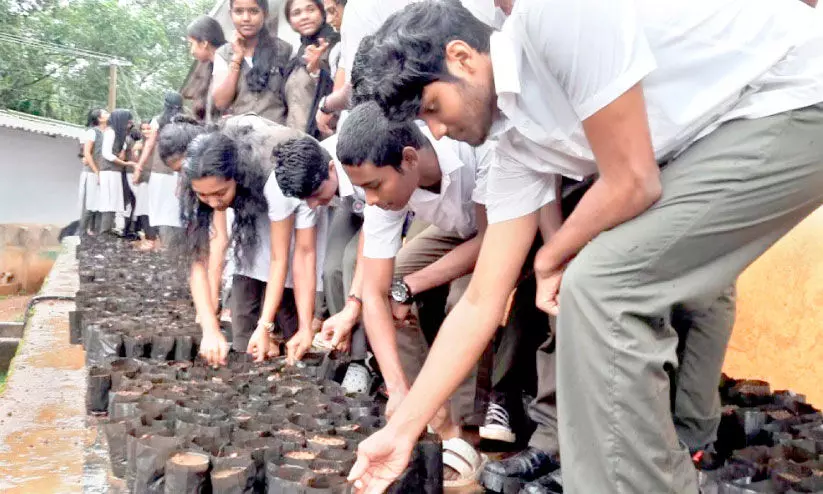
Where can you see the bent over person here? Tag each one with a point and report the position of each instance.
(273, 238)
(702, 121)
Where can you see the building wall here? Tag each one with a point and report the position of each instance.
(39, 177)
(778, 335)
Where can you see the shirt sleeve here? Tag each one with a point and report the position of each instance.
(485, 155)
(384, 231)
(108, 144)
(281, 207)
(88, 135)
(514, 190)
(596, 50)
(219, 71)
(154, 124)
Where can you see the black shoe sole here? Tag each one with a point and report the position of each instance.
(501, 483)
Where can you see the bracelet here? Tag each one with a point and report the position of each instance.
(236, 66)
(355, 298)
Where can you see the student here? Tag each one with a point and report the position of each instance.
(233, 168)
(403, 168)
(308, 76)
(139, 188)
(162, 196)
(92, 145)
(249, 71)
(696, 180)
(334, 16)
(326, 184)
(111, 204)
(205, 37)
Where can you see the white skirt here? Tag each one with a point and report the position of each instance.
(89, 191)
(141, 198)
(111, 193)
(164, 205)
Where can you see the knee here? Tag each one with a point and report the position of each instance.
(591, 274)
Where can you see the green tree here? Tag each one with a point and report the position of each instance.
(38, 79)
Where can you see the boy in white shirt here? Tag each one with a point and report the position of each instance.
(724, 96)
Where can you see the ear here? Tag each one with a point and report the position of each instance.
(461, 59)
(332, 169)
(410, 158)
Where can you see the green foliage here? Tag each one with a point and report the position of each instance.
(148, 33)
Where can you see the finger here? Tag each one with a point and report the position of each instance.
(359, 468)
(336, 338)
(378, 485)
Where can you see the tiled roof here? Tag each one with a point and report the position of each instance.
(40, 125)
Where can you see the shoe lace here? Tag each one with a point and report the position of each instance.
(496, 414)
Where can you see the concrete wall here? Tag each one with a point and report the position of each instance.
(39, 177)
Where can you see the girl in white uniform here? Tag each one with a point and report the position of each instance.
(89, 190)
(163, 202)
(111, 202)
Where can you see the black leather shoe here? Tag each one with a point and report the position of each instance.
(547, 484)
(508, 476)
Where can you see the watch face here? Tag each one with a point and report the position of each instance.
(399, 292)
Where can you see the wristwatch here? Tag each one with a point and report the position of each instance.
(400, 292)
(268, 326)
(322, 106)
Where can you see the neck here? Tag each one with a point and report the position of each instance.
(429, 165)
(251, 43)
(212, 53)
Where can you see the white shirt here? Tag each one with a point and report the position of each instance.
(280, 208)
(362, 18)
(107, 150)
(365, 17)
(88, 135)
(451, 210)
(702, 63)
(344, 186)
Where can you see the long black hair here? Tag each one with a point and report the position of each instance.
(119, 122)
(233, 155)
(265, 54)
(205, 28)
(172, 106)
(93, 118)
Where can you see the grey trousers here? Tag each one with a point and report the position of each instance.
(247, 302)
(725, 201)
(338, 270)
(704, 330)
(414, 338)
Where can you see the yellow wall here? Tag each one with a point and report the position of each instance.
(778, 335)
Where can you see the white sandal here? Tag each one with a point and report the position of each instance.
(460, 456)
(357, 379)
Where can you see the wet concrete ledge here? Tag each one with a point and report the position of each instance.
(46, 442)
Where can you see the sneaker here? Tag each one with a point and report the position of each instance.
(497, 426)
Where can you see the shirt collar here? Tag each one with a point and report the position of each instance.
(344, 186)
(447, 158)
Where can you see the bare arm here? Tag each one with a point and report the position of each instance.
(469, 327)
(148, 150)
(377, 317)
(87, 149)
(305, 275)
(340, 98)
(629, 181)
(278, 268)
(199, 284)
(458, 262)
(225, 91)
(219, 243)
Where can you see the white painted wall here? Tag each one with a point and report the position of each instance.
(39, 177)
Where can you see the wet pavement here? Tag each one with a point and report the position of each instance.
(46, 442)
